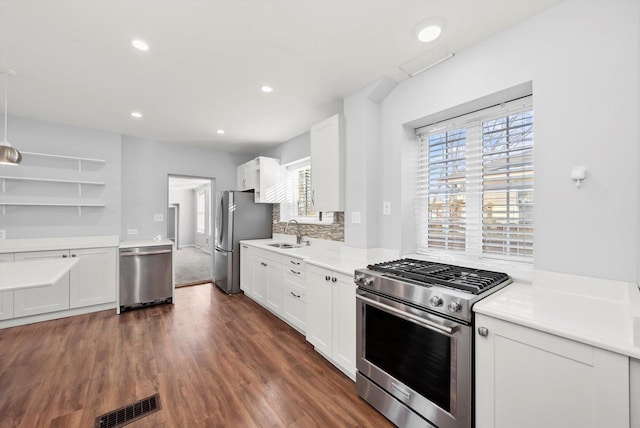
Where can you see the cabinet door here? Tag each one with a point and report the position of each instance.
(344, 323)
(273, 279)
(42, 299)
(241, 181)
(529, 379)
(327, 165)
(93, 279)
(319, 310)
(246, 268)
(259, 273)
(6, 297)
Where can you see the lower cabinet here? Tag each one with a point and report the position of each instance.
(93, 278)
(6, 297)
(246, 269)
(266, 286)
(294, 292)
(41, 300)
(91, 281)
(331, 317)
(526, 378)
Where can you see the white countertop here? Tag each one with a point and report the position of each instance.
(145, 243)
(45, 244)
(596, 312)
(333, 256)
(33, 273)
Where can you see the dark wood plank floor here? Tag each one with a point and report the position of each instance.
(216, 360)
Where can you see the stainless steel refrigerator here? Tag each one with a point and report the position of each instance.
(238, 217)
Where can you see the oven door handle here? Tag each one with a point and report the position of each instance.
(425, 323)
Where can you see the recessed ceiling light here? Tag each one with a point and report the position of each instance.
(140, 45)
(429, 30)
(220, 131)
(266, 89)
(136, 114)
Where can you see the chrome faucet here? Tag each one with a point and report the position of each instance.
(298, 234)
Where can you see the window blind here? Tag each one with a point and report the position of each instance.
(474, 182)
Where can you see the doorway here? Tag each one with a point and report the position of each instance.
(189, 222)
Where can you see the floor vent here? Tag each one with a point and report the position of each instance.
(127, 414)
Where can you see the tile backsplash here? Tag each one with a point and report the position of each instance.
(333, 232)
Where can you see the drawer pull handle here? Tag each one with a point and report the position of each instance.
(294, 272)
(64, 256)
(327, 278)
(334, 279)
(263, 263)
(483, 331)
(295, 263)
(297, 296)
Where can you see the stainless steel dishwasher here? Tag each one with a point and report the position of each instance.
(146, 276)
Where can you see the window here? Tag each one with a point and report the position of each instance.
(200, 211)
(298, 203)
(475, 184)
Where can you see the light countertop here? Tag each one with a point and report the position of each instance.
(332, 256)
(145, 243)
(33, 273)
(45, 244)
(596, 312)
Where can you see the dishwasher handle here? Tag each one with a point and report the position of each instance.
(144, 253)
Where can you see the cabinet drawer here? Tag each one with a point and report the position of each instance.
(295, 306)
(293, 274)
(270, 255)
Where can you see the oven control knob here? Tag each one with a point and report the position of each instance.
(367, 281)
(435, 301)
(455, 306)
(358, 278)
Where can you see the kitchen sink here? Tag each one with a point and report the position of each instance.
(284, 245)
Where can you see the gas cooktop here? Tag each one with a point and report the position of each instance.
(460, 278)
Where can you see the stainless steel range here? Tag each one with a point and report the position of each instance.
(415, 340)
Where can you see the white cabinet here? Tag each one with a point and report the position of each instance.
(267, 286)
(246, 176)
(294, 293)
(6, 297)
(246, 269)
(327, 164)
(331, 317)
(93, 278)
(526, 378)
(262, 175)
(42, 299)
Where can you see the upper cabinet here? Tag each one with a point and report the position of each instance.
(262, 175)
(327, 164)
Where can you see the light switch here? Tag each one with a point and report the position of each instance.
(355, 217)
(158, 217)
(386, 208)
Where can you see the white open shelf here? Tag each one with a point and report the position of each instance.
(52, 180)
(79, 206)
(46, 155)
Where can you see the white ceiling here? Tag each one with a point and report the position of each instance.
(182, 183)
(208, 60)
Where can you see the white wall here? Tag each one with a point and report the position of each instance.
(187, 221)
(42, 222)
(582, 57)
(145, 167)
(291, 150)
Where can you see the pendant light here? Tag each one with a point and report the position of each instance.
(8, 155)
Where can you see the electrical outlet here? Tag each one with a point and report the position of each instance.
(3, 234)
(158, 217)
(132, 231)
(386, 208)
(355, 217)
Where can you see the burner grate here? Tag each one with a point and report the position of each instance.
(461, 278)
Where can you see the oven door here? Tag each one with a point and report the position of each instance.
(420, 359)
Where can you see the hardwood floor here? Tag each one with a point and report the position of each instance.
(216, 360)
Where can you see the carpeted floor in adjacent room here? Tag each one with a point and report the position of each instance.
(192, 265)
